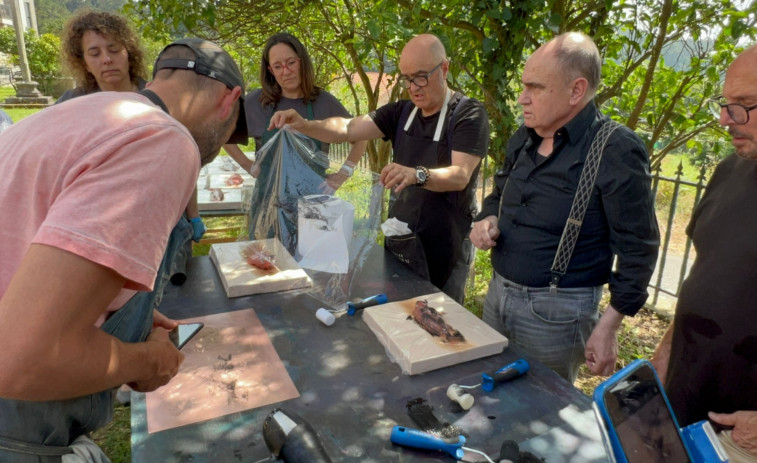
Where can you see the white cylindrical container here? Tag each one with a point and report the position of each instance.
(326, 317)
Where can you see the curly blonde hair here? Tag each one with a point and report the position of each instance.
(106, 24)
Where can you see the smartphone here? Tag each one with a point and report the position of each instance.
(181, 335)
(636, 417)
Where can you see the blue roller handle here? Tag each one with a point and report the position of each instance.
(514, 370)
(410, 437)
(353, 307)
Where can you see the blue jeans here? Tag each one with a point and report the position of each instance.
(24, 426)
(552, 329)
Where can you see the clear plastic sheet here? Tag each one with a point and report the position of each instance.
(291, 167)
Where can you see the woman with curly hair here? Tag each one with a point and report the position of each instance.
(102, 53)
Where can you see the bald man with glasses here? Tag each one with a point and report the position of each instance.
(439, 137)
(708, 357)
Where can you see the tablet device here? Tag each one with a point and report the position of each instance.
(636, 418)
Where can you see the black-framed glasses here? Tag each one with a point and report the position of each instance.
(419, 81)
(736, 111)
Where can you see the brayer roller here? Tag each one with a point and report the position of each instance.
(361, 304)
(506, 373)
(514, 370)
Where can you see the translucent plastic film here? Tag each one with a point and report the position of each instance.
(295, 173)
(290, 166)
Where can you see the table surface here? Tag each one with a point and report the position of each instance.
(352, 393)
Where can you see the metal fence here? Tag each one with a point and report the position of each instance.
(338, 152)
(675, 199)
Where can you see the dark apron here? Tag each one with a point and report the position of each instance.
(440, 221)
(281, 223)
(39, 432)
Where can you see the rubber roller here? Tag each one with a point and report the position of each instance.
(458, 394)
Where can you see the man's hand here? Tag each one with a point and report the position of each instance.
(484, 233)
(397, 176)
(160, 320)
(744, 424)
(165, 358)
(287, 117)
(661, 357)
(602, 346)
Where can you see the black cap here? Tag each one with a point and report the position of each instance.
(210, 61)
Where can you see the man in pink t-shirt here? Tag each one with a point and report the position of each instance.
(92, 188)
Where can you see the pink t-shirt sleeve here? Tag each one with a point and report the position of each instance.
(119, 201)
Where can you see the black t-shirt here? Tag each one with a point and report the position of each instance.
(470, 130)
(713, 360)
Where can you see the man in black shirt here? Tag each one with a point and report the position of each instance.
(708, 357)
(439, 137)
(524, 216)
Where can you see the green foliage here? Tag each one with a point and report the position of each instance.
(8, 41)
(51, 16)
(42, 52)
(662, 58)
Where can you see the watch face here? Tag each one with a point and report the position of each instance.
(420, 175)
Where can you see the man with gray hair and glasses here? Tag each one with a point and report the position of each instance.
(439, 137)
(550, 263)
(708, 357)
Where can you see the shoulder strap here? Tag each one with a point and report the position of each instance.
(452, 119)
(154, 98)
(580, 203)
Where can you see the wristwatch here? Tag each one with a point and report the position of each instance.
(421, 175)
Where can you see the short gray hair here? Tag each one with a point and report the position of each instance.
(578, 56)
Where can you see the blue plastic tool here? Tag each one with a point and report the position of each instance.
(514, 370)
(353, 307)
(409, 437)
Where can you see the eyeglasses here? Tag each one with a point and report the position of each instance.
(278, 68)
(419, 81)
(736, 111)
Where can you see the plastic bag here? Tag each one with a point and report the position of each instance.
(325, 233)
(290, 167)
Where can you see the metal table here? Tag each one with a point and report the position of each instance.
(352, 393)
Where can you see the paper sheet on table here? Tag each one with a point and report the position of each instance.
(230, 366)
(324, 225)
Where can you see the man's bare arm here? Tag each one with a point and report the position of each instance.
(49, 346)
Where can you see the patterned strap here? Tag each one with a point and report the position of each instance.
(580, 203)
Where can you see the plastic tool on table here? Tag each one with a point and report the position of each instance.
(454, 447)
(509, 372)
(292, 439)
(360, 304)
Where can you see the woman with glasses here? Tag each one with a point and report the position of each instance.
(287, 81)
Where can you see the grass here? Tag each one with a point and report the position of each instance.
(16, 114)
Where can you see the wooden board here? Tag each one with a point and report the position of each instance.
(241, 279)
(214, 175)
(232, 200)
(415, 350)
